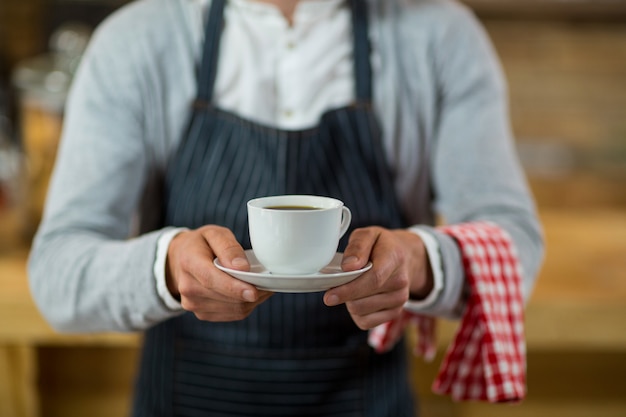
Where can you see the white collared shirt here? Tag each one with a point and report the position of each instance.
(285, 75)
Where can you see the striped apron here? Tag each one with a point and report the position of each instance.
(293, 356)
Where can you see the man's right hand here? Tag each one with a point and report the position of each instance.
(191, 276)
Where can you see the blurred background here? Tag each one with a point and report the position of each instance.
(565, 61)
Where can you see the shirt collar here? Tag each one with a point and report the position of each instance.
(306, 10)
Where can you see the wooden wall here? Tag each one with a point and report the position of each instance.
(567, 82)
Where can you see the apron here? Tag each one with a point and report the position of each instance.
(293, 356)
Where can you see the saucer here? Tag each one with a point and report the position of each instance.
(328, 277)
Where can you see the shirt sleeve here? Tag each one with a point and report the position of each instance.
(88, 271)
(476, 173)
(159, 269)
(434, 258)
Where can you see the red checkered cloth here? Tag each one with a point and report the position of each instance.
(487, 358)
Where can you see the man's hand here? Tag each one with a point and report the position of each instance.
(209, 293)
(400, 269)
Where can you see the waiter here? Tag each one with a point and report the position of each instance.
(183, 110)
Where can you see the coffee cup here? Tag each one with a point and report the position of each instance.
(296, 234)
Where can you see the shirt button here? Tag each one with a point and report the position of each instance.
(291, 45)
(288, 113)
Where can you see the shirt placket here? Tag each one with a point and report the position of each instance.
(288, 81)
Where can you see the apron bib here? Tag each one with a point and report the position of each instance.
(293, 356)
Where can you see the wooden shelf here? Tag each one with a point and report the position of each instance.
(566, 9)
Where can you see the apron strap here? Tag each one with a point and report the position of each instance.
(213, 31)
(362, 49)
(210, 55)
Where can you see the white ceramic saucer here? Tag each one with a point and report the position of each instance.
(328, 277)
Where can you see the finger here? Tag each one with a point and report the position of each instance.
(210, 302)
(222, 288)
(372, 320)
(220, 312)
(233, 288)
(222, 285)
(230, 290)
(370, 283)
(359, 248)
(226, 248)
(379, 302)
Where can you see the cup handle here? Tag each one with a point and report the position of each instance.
(346, 218)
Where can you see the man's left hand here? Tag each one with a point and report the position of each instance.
(400, 270)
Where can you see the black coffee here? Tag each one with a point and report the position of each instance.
(293, 208)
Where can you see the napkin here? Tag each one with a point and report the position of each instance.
(486, 361)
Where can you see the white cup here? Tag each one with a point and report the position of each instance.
(296, 234)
